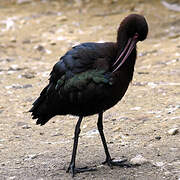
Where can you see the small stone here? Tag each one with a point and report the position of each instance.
(23, 1)
(26, 126)
(167, 173)
(13, 40)
(30, 99)
(9, 59)
(92, 133)
(26, 41)
(135, 108)
(39, 48)
(11, 178)
(152, 84)
(158, 137)
(28, 75)
(21, 123)
(31, 156)
(17, 162)
(158, 164)
(143, 72)
(14, 67)
(174, 149)
(173, 131)
(42, 49)
(27, 86)
(53, 43)
(138, 160)
(62, 18)
(171, 6)
(56, 134)
(18, 86)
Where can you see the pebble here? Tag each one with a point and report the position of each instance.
(39, 48)
(138, 160)
(31, 156)
(53, 43)
(9, 59)
(26, 41)
(42, 49)
(28, 75)
(14, 67)
(23, 1)
(92, 133)
(30, 99)
(173, 131)
(62, 18)
(26, 126)
(152, 84)
(135, 108)
(158, 164)
(3, 164)
(171, 6)
(21, 123)
(174, 149)
(56, 134)
(27, 86)
(18, 86)
(158, 137)
(11, 178)
(13, 39)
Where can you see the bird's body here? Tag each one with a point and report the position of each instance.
(91, 77)
(81, 83)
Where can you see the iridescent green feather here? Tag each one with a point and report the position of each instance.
(81, 80)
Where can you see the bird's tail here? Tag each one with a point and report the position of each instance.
(41, 110)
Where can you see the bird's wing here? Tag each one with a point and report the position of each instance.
(84, 66)
(79, 59)
(78, 77)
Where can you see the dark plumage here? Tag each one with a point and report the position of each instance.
(91, 78)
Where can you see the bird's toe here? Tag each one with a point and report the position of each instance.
(71, 169)
(121, 163)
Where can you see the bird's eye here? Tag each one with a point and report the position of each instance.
(136, 35)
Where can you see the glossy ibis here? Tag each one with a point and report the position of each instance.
(91, 78)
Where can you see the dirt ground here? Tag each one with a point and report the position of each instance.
(33, 35)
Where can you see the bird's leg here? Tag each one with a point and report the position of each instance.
(71, 167)
(100, 128)
(109, 160)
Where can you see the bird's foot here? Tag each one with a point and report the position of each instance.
(121, 163)
(71, 169)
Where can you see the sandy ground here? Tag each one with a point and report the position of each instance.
(33, 35)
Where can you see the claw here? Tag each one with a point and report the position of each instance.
(71, 169)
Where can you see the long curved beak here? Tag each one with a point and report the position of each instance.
(127, 51)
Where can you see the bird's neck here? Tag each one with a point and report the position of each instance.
(127, 69)
(122, 39)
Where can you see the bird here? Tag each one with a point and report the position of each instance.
(89, 79)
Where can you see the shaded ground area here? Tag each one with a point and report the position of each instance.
(33, 35)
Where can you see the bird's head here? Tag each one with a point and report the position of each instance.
(135, 26)
(132, 29)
